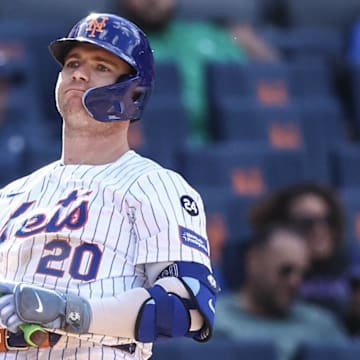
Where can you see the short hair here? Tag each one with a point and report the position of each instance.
(261, 238)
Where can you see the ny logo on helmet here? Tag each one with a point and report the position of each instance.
(94, 26)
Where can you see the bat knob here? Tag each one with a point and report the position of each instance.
(34, 334)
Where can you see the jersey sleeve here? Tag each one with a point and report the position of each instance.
(169, 221)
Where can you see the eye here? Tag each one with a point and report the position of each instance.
(72, 63)
(103, 68)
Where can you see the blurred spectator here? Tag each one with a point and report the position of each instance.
(252, 42)
(191, 45)
(264, 308)
(316, 211)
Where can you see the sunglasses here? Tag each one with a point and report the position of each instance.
(286, 270)
(307, 223)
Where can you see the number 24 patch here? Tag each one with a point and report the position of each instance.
(189, 204)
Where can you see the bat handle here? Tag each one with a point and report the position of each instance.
(34, 334)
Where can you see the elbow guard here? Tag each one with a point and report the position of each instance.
(166, 315)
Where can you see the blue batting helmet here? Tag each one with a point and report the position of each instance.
(126, 99)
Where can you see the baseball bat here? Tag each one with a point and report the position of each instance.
(34, 334)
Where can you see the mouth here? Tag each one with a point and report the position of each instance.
(75, 90)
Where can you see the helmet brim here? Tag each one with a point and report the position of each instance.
(61, 47)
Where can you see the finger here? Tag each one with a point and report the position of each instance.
(7, 308)
(7, 287)
(13, 323)
(6, 300)
(6, 313)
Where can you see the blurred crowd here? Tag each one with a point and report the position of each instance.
(257, 103)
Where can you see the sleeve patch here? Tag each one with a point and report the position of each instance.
(189, 204)
(194, 240)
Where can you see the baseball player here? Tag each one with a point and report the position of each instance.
(104, 249)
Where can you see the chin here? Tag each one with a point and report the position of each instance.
(280, 310)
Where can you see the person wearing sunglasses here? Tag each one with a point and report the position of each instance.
(316, 211)
(266, 306)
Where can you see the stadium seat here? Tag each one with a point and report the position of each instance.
(347, 351)
(36, 88)
(354, 95)
(164, 127)
(39, 10)
(237, 87)
(345, 159)
(322, 13)
(350, 198)
(13, 158)
(353, 43)
(21, 121)
(248, 168)
(272, 84)
(216, 201)
(240, 94)
(353, 253)
(227, 212)
(311, 124)
(15, 150)
(247, 11)
(233, 261)
(17, 70)
(162, 132)
(285, 167)
(268, 83)
(168, 84)
(309, 77)
(239, 120)
(307, 42)
(323, 125)
(239, 166)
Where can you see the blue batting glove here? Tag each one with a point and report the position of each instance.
(8, 316)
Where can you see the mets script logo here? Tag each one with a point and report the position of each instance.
(70, 213)
(96, 26)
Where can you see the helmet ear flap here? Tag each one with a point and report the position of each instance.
(121, 101)
(124, 77)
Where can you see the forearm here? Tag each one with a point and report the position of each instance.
(116, 316)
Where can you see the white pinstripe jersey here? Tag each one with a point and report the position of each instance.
(91, 230)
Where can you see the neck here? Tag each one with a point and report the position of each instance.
(248, 302)
(252, 303)
(82, 148)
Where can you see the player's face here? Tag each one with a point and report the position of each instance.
(86, 66)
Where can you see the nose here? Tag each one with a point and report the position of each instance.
(80, 73)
